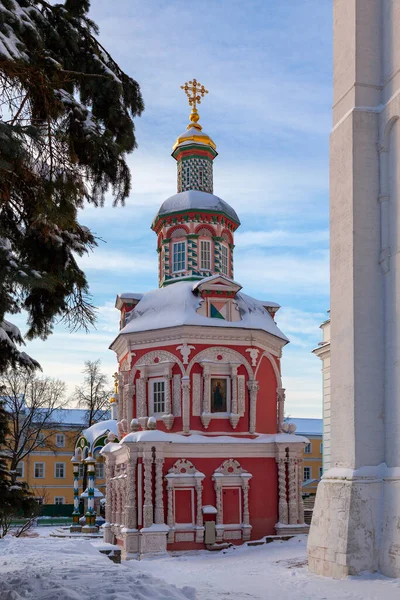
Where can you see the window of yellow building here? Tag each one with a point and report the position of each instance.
(307, 449)
(59, 470)
(60, 440)
(20, 469)
(59, 499)
(38, 470)
(99, 470)
(306, 473)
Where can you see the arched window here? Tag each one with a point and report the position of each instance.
(205, 249)
(224, 259)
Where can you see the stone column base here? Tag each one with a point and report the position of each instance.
(299, 528)
(344, 533)
(108, 535)
(130, 547)
(75, 528)
(90, 529)
(153, 540)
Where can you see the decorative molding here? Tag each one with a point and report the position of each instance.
(184, 537)
(232, 535)
(185, 351)
(228, 356)
(253, 389)
(254, 352)
(183, 467)
(176, 408)
(196, 396)
(159, 508)
(185, 382)
(205, 419)
(230, 467)
(126, 364)
(241, 395)
(282, 505)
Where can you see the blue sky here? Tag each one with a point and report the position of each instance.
(267, 65)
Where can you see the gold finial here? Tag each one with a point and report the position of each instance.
(195, 92)
(115, 377)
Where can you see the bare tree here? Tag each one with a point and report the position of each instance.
(95, 392)
(31, 403)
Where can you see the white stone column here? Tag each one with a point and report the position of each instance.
(246, 512)
(293, 492)
(148, 492)
(280, 408)
(185, 404)
(129, 392)
(219, 526)
(159, 508)
(282, 505)
(141, 394)
(131, 507)
(234, 417)
(253, 389)
(168, 417)
(170, 515)
(199, 512)
(206, 416)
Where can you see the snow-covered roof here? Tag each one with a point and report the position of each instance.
(156, 435)
(100, 428)
(131, 296)
(194, 199)
(307, 426)
(176, 305)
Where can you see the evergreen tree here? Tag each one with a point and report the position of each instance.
(66, 125)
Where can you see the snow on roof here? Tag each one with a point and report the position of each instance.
(307, 426)
(194, 199)
(176, 305)
(155, 435)
(100, 428)
(97, 493)
(131, 296)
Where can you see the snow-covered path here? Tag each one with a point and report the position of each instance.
(272, 571)
(54, 569)
(70, 569)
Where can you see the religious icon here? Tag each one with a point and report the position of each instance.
(218, 395)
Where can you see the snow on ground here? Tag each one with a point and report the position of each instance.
(63, 569)
(272, 571)
(46, 568)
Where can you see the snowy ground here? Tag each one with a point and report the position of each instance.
(48, 568)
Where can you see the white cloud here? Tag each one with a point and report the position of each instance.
(279, 238)
(110, 260)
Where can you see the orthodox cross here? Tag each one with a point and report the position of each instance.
(195, 92)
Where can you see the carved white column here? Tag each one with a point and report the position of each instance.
(280, 408)
(117, 484)
(253, 389)
(234, 418)
(293, 503)
(206, 416)
(122, 500)
(246, 511)
(121, 394)
(141, 386)
(282, 505)
(130, 507)
(113, 504)
(168, 417)
(159, 509)
(170, 515)
(185, 404)
(219, 515)
(108, 507)
(199, 512)
(148, 492)
(300, 489)
(129, 391)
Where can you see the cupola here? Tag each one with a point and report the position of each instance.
(194, 227)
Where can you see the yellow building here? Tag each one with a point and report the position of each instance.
(48, 470)
(312, 453)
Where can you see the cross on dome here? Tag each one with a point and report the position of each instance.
(195, 91)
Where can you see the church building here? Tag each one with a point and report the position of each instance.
(204, 455)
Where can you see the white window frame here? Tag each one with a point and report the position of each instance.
(174, 270)
(21, 466)
(37, 464)
(62, 498)
(97, 468)
(304, 473)
(308, 448)
(190, 489)
(60, 440)
(224, 259)
(55, 470)
(151, 394)
(221, 415)
(206, 243)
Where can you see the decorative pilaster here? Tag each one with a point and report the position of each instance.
(186, 404)
(199, 512)
(206, 415)
(280, 408)
(117, 495)
(170, 515)
(219, 516)
(253, 389)
(141, 394)
(246, 512)
(159, 509)
(177, 395)
(234, 418)
(130, 506)
(282, 505)
(148, 492)
(129, 392)
(168, 417)
(293, 503)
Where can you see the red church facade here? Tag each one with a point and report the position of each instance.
(204, 455)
